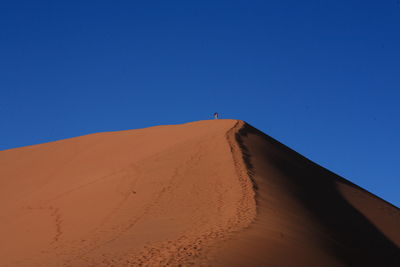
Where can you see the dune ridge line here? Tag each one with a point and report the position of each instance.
(199, 248)
(247, 208)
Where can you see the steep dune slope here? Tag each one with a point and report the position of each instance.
(308, 216)
(154, 196)
(216, 193)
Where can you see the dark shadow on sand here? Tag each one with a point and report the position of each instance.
(353, 239)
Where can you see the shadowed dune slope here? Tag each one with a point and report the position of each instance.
(207, 193)
(308, 216)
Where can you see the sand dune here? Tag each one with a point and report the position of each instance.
(208, 193)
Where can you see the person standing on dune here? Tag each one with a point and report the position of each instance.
(216, 116)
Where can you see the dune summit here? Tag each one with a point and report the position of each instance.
(207, 193)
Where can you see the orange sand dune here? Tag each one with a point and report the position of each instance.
(208, 193)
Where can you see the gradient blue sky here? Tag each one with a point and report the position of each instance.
(323, 77)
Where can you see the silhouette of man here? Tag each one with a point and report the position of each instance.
(216, 116)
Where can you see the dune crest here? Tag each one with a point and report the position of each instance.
(207, 193)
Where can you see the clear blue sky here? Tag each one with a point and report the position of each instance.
(323, 77)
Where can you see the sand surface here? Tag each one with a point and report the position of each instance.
(207, 193)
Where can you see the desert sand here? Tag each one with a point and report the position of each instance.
(207, 193)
